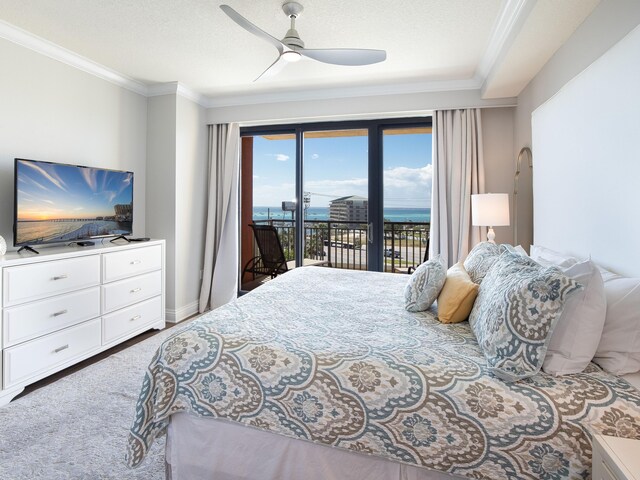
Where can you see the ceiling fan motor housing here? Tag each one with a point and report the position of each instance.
(292, 39)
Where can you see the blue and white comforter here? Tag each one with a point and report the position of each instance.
(332, 357)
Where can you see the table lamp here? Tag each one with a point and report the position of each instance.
(490, 210)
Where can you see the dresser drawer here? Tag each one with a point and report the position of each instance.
(50, 353)
(118, 265)
(31, 320)
(130, 319)
(44, 279)
(127, 292)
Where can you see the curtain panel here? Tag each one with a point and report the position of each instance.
(221, 255)
(458, 172)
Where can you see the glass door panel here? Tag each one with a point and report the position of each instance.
(335, 173)
(407, 173)
(267, 197)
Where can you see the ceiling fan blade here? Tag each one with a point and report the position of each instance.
(345, 56)
(272, 69)
(250, 27)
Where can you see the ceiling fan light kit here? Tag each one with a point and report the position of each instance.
(291, 47)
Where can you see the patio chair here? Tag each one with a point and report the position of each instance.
(271, 261)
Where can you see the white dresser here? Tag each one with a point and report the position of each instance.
(69, 303)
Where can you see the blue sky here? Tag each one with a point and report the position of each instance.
(51, 191)
(337, 166)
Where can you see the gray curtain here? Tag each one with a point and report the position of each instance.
(221, 257)
(458, 172)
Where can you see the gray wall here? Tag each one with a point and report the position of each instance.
(53, 112)
(176, 195)
(191, 198)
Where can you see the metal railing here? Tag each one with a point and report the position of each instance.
(344, 245)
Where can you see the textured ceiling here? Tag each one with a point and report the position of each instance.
(193, 42)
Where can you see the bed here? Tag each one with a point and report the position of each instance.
(313, 376)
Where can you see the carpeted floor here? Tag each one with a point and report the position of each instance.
(76, 427)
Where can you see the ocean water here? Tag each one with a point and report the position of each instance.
(35, 232)
(322, 213)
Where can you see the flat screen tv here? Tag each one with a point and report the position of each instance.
(56, 202)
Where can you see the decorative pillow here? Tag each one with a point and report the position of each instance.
(425, 284)
(521, 251)
(576, 337)
(518, 306)
(457, 296)
(619, 347)
(480, 259)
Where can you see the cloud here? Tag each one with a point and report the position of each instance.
(52, 177)
(404, 177)
(281, 157)
(90, 178)
(315, 156)
(351, 182)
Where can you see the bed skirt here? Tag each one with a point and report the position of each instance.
(212, 449)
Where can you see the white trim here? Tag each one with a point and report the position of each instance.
(45, 47)
(182, 313)
(345, 92)
(513, 15)
(158, 89)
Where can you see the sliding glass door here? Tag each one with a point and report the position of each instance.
(335, 190)
(406, 158)
(352, 195)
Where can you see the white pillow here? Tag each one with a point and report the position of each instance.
(577, 335)
(540, 253)
(619, 348)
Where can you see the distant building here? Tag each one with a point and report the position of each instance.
(351, 209)
(124, 212)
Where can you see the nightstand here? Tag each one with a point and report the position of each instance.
(615, 458)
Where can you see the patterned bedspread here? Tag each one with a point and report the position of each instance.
(332, 357)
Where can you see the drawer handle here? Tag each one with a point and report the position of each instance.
(59, 349)
(133, 319)
(136, 262)
(61, 312)
(60, 277)
(135, 290)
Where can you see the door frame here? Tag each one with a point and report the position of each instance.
(375, 128)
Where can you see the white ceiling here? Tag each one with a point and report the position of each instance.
(495, 45)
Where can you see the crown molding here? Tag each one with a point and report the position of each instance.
(177, 88)
(345, 92)
(513, 14)
(45, 47)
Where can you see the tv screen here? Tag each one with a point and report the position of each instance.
(55, 202)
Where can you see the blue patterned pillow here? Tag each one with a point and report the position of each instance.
(518, 305)
(480, 259)
(425, 284)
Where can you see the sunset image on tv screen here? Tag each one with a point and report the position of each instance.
(66, 203)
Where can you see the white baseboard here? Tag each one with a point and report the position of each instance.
(182, 313)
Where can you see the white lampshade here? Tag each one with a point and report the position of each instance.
(490, 209)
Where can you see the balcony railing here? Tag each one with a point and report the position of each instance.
(344, 245)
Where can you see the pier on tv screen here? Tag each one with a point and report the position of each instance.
(56, 202)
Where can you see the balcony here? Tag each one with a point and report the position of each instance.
(339, 245)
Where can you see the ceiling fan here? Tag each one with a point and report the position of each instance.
(291, 47)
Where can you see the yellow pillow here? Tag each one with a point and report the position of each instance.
(457, 295)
